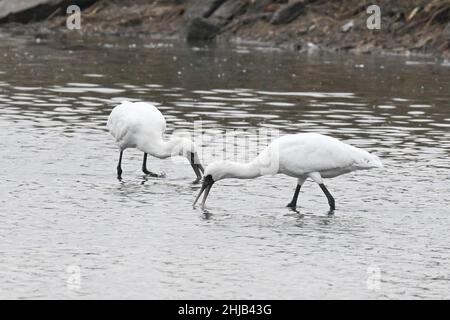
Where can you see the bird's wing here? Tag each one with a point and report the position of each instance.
(118, 122)
(149, 119)
(141, 119)
(311, 153)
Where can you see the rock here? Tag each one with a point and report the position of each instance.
(202, 8)
(288, 12)
(365, 48)
(228, 11)
(251, 18)
(257, 6)
(305, 47)
(200, 29)
(446, 32)
(33, 10)
(346, 27)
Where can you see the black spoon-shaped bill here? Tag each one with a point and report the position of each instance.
(196, 166)
(206, 187)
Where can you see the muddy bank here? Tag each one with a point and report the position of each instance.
(407, 26)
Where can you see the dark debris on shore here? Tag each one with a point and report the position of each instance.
(407, 26)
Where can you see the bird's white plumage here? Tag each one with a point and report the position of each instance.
(133, 124)
(299, 155)
(302, 155)
(141, 125)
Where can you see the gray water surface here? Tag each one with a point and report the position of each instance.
(70, 229)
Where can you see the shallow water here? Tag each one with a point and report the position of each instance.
(70, 229)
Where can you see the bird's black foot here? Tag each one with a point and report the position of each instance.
(332, 206)
(151, 174)
(154, 175)
(291, 205)
(119, 174)
(197, 181)
(295, 210)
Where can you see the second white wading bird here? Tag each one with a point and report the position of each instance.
(141, 125)
(302, 156)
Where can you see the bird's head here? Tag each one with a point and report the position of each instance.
(214, 172)
(370, 161)
(376, 162)
(186, 148)
(219, 170)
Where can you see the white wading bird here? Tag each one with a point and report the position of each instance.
(302, 156)
(141, 125)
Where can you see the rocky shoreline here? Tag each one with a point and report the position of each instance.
(407, 27)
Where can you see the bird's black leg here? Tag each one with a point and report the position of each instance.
(293, 202)
(119, 166)
(329, 196)
(144, 167)
(144, 164)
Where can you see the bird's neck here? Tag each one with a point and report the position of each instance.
(242, 170)
(163, 149)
